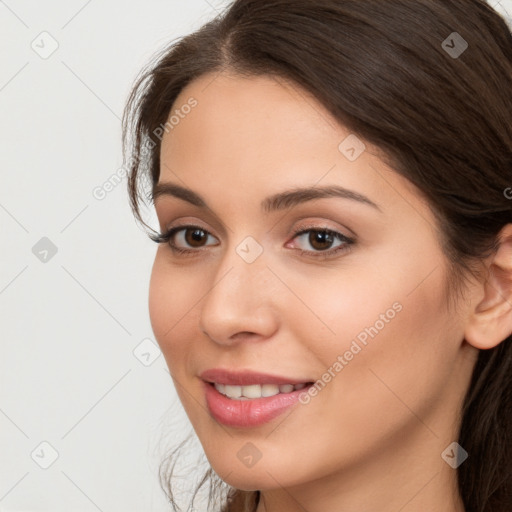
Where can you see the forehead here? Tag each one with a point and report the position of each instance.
(256, 110)
(259, 119)
(260, 134)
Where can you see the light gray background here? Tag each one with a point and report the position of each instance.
(79, 368)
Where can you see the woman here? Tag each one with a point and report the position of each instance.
(332, 291)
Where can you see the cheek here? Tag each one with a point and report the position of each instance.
(160, 293)
(397, 349)
(171, 308)
(368, 324)
(338, 307)
(372, 291)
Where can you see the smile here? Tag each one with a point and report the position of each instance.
(256, 390)
(245, 412)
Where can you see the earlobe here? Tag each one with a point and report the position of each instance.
(490, 322)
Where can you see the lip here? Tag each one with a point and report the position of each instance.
(247, 378)
(253, 412)
(248, 413)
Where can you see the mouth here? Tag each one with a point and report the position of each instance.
(256, 391)
(248, 378)
(249, 399)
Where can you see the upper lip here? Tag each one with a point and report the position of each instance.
(246, 378)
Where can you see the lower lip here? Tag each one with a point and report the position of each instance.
(248, 413)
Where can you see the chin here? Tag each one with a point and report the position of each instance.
(250, 484)
(262, 476)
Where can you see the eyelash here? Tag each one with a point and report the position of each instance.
(162, 238)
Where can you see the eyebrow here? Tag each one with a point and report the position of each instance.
(280, 201)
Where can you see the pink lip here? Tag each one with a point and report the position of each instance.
(247, 413)
(246, 378)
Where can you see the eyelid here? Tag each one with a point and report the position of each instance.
(309, 226)
(345, 245)
(186, 214)
(183, 223)
(324, 224)
(170, 232)
(320, 225)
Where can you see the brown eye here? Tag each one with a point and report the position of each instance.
(320, 240)
(194, 237)
(184, 239)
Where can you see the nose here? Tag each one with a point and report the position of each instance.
(240, 303)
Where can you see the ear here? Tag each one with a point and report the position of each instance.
(490, 322)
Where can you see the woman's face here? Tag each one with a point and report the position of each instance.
(362, 308)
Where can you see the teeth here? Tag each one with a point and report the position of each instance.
(251, 391)
(233, 391)
(255, 390)
(269, 390)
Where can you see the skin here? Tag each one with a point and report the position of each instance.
(372, 439)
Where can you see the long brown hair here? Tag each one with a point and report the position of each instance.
(388, 72)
